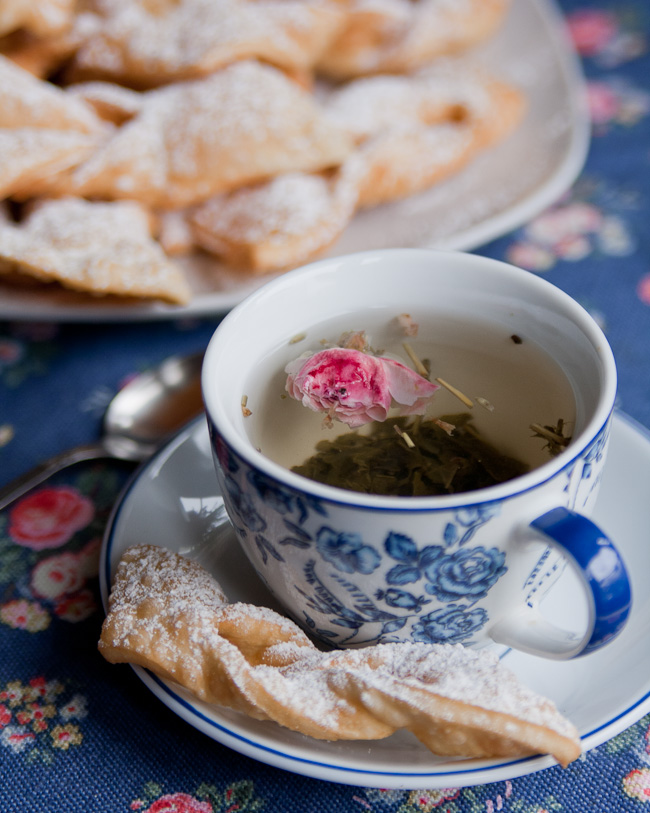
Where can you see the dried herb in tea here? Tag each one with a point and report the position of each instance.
(434, 462)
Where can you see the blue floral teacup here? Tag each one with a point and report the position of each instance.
(467, 568)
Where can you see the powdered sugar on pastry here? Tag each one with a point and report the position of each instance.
(110, 101)
(196, 139)
(399, 36)
(414, 131)
(280, 223)
(31, 156)
(41, 17)
(26, 101)
(100, 248)
(166, 613)
(147, 43)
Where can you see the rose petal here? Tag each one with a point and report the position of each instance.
(354, 387)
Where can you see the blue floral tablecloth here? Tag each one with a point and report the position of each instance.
(77, 735)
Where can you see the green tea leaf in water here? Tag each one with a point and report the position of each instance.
(382, 461)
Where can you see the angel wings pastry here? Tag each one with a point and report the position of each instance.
(276, 224)
(399, 36)
(168, 614)
(93, 247)
(413, 131)
(145, 44)
(251, 132)
(192, 140)
(409, 132)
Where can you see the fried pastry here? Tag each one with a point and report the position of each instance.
(168, 614)
(40, 56)
(400, 36)
(278, 224)
(142, 43)
(174, 231)
(30, 157)
(41, 17)
(26, 101)
(414, 131)
(98, 248)
(193, 140)
(110, 102)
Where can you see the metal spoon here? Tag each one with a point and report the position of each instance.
(147, 411)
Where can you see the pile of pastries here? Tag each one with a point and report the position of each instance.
(136, 132)
(168, 614)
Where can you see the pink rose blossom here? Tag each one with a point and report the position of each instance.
(604, 102)
(5, 716)
(576, 218)
(57, 575)
(76, 607)
(17, 738)
(49, 517)
(354, 387)
(643, 289)
(179, 803)
(531, 256)
(592, 30)
(637, 784)
(24, 615)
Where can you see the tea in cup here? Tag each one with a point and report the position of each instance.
(443, 506)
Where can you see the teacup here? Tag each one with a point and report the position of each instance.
(467, 568)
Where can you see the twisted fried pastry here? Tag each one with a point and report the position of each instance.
(96, 247)
(146, 43)
(415, 131)
(192, 140)
(168, 614)
(400, 36)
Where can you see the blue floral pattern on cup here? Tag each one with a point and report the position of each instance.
(453, 571)
(468, 573)
(353, 588)
(346, 551)
(449, 625)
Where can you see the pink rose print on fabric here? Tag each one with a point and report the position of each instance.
(49, 517)
(643, 289)
(76, 607)
(5, 716)
(615, 102)
(34, 719)
(570, 231)
(57, 575)
(637, 784)
(603, 102)
(427, 800)
(607, 38)
(179, 803)
(354, 387)
(592, 30)
(24, 615)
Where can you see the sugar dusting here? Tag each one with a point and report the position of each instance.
(170, 607)
(105, 248)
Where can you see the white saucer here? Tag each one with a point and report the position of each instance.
(173, 501)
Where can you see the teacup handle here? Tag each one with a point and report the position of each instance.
(605, 580)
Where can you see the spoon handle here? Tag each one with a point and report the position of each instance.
(22, 484)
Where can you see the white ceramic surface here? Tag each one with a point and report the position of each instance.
(495, 194)
(173, 502)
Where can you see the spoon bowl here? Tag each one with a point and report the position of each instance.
(152, 407)
(139, 419)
